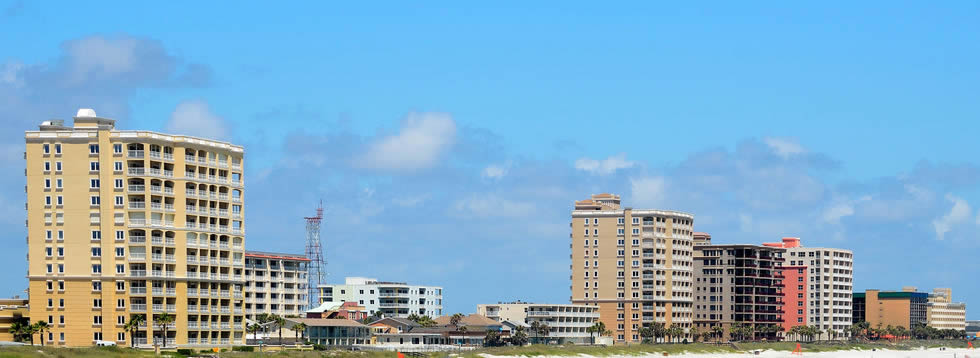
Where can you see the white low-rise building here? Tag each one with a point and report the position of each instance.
(393, 299)
(275, 283)
(568, 323)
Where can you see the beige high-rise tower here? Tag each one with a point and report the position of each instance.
(635, 265)
(134, 223)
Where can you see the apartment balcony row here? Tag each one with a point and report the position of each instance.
(155, 291)
(153, 223)
(192, 159)
(206, 293)
(594, 314)
(205, 309)
(212, 325)
(214, 244)
(203, 260)
(212, 228)
(212, 179)
(152, 273)
(213, 276)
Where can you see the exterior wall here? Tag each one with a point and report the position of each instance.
(150, 233)
(635, 265)
(10, 311)
(943, 313)
(903, 309)
(738, 284)
(568, 323)
(275, 284)
(795, 296)
(393, 299)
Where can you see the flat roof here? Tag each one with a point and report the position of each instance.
(276, 255)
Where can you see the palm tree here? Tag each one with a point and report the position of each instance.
(519, 338)
(695, 333)
(164, 320)
(658, 331)
(254, 330)
(718, 331)
(535, 328)
(677, 332)
(735, 330)
(41, 326)
(544, 330)
(455, 320)
(645, 332)
(600, 329)
(300, 329)
(20, 329)
(132, 326)
(492, 338)
(279, 321)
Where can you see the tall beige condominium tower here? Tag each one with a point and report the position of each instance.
(134, 223)
(943, 313)
(635, 265)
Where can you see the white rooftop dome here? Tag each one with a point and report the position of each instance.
(85, 113)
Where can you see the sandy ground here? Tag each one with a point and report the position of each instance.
(922, 353)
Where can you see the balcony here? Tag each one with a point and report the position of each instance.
(135, 154)
(137, 290)
(137, 189)
(138, 307)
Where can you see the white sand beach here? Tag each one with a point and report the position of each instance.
(920, 353)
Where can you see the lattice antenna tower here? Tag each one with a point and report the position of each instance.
(314, 252)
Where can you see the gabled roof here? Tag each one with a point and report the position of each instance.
(396, 321)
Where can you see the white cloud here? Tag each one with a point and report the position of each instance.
(494, 171)
(784, 147)
(491, 205)
(195, 118)
(421, 142)
(604, 167)
(834, 213)
(649, 191)
(957, 214)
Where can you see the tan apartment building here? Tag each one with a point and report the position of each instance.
(635, 265)
(128, 222)
(275, 283)
(738, 284)
(943, 313)
(904, 308)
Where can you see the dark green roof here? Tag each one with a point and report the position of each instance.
(894, 294)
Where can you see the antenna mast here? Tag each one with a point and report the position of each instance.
(314, 252)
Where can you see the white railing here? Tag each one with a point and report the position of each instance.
(136, 188)
(135, 153)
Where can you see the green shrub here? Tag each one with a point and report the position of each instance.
(243, 349)
(185, 352)
(319, 347)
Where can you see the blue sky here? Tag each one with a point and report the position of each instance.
(449, 141)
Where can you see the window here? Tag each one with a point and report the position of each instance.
(117, 148)
(96, 235)
(47, 148)
(94, 183)
(97, 268)
(61, 268)
(61, 252)
(636, 231)
(121, 336)
(119, 200)
(61, 235)
(61, 336)
(93, 149)
(57, 166)
(59, 183)
(621, 221)
(117, 166)
(48, 250)
(120, 252)
(50, 285)
(120, 235)
(118, 184)
(48, 233)
(120, 268)
(620, 231)
(47, 185)
(61, 200)
(121, 303)
(47, 166)
(57, 148)
(61, 303)
(93, 166)
(97, 336)
(97, 286)
(49, 268)
(47, 200)
(96, 252)
(120, 286)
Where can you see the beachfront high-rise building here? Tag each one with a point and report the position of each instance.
(393, 299)
(822, 279)
(943, 313)
(275, 284)
(123, 223)
(738, 284)
(634, 264)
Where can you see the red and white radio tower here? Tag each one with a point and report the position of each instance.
(314, 252)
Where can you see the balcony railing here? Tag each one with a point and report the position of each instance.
(136, 154)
